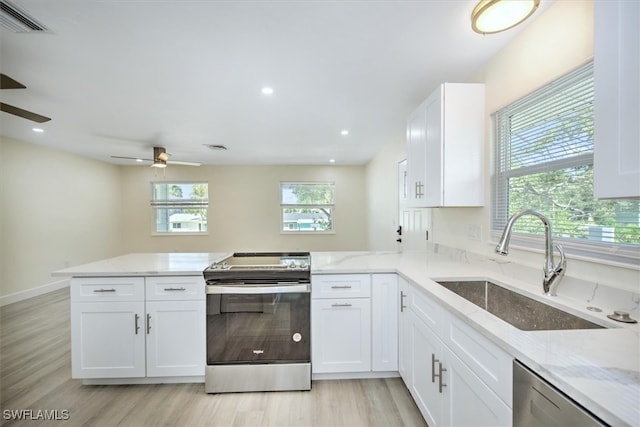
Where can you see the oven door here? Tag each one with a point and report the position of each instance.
(258, 324)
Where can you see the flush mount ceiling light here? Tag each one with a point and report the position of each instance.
(494, 16)
(267, 90)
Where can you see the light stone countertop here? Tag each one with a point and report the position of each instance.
(146, 264)
(600, 369)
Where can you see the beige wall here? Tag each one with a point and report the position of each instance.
(63, 210)
(56, 209)
(244, 212)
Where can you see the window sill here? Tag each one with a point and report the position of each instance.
(606, 254)
(178, 234)
(312, 233)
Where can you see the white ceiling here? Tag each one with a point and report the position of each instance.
(119, 77)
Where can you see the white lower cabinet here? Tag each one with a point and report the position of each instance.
(354, 323)
(117, 333)
(469, 401)
(404, 332)
(384, 322)
(341, 335)
(107, 339)
(470, 390)
(424, 349)
(175, 338)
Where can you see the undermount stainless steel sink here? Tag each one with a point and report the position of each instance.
(518, 310)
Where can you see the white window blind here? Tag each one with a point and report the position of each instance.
(544, 161)
(180, 207)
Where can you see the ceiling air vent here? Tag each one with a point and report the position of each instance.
(215, 147)
(17, 20)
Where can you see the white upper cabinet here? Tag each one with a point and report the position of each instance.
(445, 148)
(617, 99)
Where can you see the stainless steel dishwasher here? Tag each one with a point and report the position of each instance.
(536, 403)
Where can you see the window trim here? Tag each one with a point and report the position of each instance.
(154, 204)
(619, 254)
(282, 206)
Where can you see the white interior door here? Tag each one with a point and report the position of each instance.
(415, 222)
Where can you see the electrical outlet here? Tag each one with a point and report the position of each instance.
(474, 232)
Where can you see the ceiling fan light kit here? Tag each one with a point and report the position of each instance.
(160, 159)
(494, 16)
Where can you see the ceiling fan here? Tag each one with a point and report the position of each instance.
(160, 159)
(7, 82)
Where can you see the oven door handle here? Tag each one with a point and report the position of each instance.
(277, 288)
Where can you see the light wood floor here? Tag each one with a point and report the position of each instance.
(35, 365)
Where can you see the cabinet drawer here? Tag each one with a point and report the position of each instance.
(175, 288)
(341, 286)
(489, 362)
(96, 289)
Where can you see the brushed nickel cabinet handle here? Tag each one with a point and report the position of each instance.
(341, 305)
(175, 289)
(433, 367)
(148, 323)
(136, 325)
(440, 383)
(341, 287)
(101, 290)
(402, 306)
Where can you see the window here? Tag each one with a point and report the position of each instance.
(544, 161)
(180, 207)
(307, 207)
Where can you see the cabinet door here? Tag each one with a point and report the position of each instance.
(107, 340)
(404, 333)
(616, 167)
(384, 322)
(176, 342)
(434, 190)
(426, 354)
(416, 155)
(469, 401)
(341, 335)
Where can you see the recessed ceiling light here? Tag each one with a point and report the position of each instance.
(139, 160)
(38, 130)
(332, 160)
(344, 132)
(267, 90)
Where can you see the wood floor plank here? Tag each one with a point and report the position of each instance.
(35, 374)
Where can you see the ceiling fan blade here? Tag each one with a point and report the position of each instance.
(23, 113)
(7, 82)
(177, 162)
(131, 158)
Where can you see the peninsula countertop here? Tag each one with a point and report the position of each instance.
(146, 264)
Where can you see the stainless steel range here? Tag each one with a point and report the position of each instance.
(258, 323)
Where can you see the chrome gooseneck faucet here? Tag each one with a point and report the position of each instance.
(552, 273)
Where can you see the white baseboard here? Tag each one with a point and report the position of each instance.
(33, 292)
